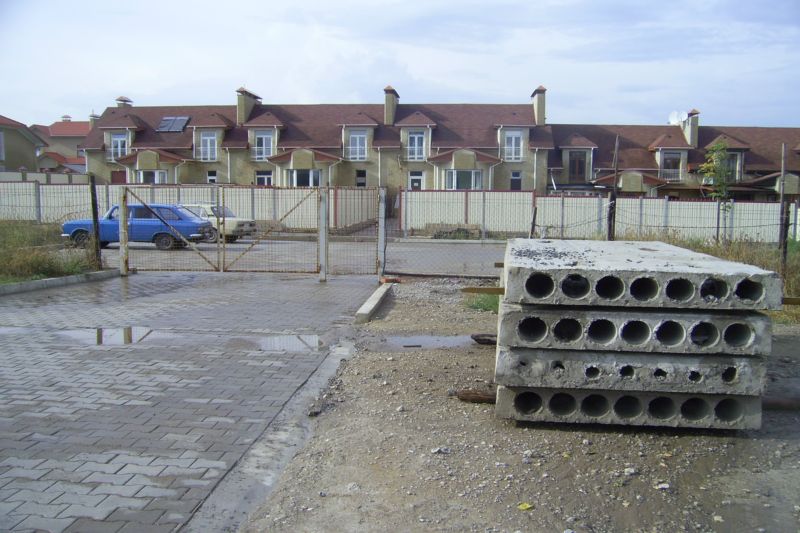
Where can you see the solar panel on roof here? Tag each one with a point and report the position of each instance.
(165, 124)
(179, 123)
(172, 124)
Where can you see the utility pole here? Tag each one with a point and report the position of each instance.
(783, 234)
(612, 197)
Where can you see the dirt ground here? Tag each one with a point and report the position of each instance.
(394, 450)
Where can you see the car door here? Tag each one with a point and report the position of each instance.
(109, 226)
(143, 225)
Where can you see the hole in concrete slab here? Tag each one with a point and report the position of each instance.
(713, 289)
(729, 410)
(532, 329)
(602, 331)
(628, 407)
(626, 371)
(636, 332)
(575, 286)
(644, 289)
(660, 373)
(704, 334)
(527, 402)
(738, 334)
(670, 333)
(729, 374)
(522, 362)
(562, 404)
(594, 405)
(749, 290)
(558, 366)
(662, 408)
(609, 287)
(695, 409)
(592, 372)
(567, 330)
(680, 289)
(695, 376)
(539, 285)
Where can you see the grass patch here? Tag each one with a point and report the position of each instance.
(30, 251)
(484, 302)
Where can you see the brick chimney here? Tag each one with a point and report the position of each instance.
(538, 106)
(390, 105)
(691, 126)
(245, 102)
(124, 101)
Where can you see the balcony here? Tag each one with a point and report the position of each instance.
(205, 154)
(513, 155)
(113, 155)
(260, 153)
(355, 152)
(415, 154)
(671, 175)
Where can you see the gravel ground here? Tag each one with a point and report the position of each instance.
(393, 450)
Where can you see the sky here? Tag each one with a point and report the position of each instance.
(609, 62)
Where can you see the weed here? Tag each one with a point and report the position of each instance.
(484, 302)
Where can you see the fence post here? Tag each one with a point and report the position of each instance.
(794, 226)
(322, 252)
(784, 244)
(252, 202)
(599, 214)
(719, 207)
(612, 216)
(562, 215)
(95, 223)
(641, 214)
(381, 231)
(666, 213)
(37, 189)
(405, 208)
(730, 221)
(123, 232)
(483, 215)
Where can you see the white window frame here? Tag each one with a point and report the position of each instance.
(416, 148)
(314, 175)
(263, 145)
(211, 176)
(207, 150)
(268, 177)
(451, 179)
(119, 146)
(160, 176)
(361, 181)
(513, 145)
(515, 175)
(416, 174)
(357, 145)
(671, 174)
(2, 146)
(736, 166)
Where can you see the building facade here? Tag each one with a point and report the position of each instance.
(63, 138)
(18, 146)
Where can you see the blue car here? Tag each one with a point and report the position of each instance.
(144, 226)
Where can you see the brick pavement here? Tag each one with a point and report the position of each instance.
(134, 437)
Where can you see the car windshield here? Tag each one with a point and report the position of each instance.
(186, 213)
(222, 212)
(196, 209)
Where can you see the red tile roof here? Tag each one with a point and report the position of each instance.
(5, 121)
(764, 144)
(58, 158)
(69, 129)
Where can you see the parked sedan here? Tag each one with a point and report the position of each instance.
(232, 226)
(144, 225)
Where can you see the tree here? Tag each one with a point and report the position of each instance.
(717, 168)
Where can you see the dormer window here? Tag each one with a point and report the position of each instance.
(670, 169)
(263, 145)
(578, 166)
(357, 145)
(733, 166)
(207, 150)
(119, 146)
(416, 145)
(513, 146)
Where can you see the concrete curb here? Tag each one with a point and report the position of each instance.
(49, 283)
(368, 309)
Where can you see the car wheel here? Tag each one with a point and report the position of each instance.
(230, 238)
(164, 241)
(212, 235)
(80, 238)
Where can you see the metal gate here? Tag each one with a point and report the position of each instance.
(320, 230)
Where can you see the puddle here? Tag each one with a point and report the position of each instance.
(115, 336)
(426, 342)
(289, 343)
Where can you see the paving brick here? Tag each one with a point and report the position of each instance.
(105, 468)
(69, 488)
(88, 525)
(113, 479)
(37, 523)
(33, 496)
(39, 509)
(98, 512)
(117, 490)
(26, 473)
(80, 499)
(139, 516)
(144, 470)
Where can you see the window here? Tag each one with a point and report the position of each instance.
(2, 146)
(264, 177)
(208, 146)
(119, 146)
(361, 178)
(577, 166)
(416, 180)
(263, 147)
(513, 143)
(731, 166)
(515, 184)
(305, 178)
(670, 166)
(211, 176)
(167, 214)
(463, 179)
(416, 145)
(152, 176)
(357, 149)
(140, 212)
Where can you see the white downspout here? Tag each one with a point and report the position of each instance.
(176, 170)
(330, 172)
(491, 175)
(228, 151)
(499, 142)
(535, 168)
(379, 166)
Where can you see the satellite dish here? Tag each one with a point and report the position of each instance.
(674, 118)
(683, 116)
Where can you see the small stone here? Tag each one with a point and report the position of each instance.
(441, 450)
(390, 358)
(400, 409)
(322, 494)
(718, 518)
(663, 486)
(630, 472)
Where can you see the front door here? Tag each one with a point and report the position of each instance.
(118, 176)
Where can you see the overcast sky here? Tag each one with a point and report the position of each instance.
(609, 62)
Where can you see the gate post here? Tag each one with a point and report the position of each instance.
(123, 231)
(323, 234)
(381, 231)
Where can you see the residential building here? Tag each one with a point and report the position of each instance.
(18, 146)
(425, 146)
(63, 139)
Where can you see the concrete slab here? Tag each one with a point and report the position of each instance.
(589, 369)
(370, 307)
(628, 408)
(632, 274)
(634, 330)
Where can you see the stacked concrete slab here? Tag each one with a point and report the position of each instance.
(635, 333)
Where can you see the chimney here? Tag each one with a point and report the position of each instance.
(690, 127)
(124, 101)
(537, 98)
(245, 102)
(93, 118)
(66, 118)
(390, 105)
